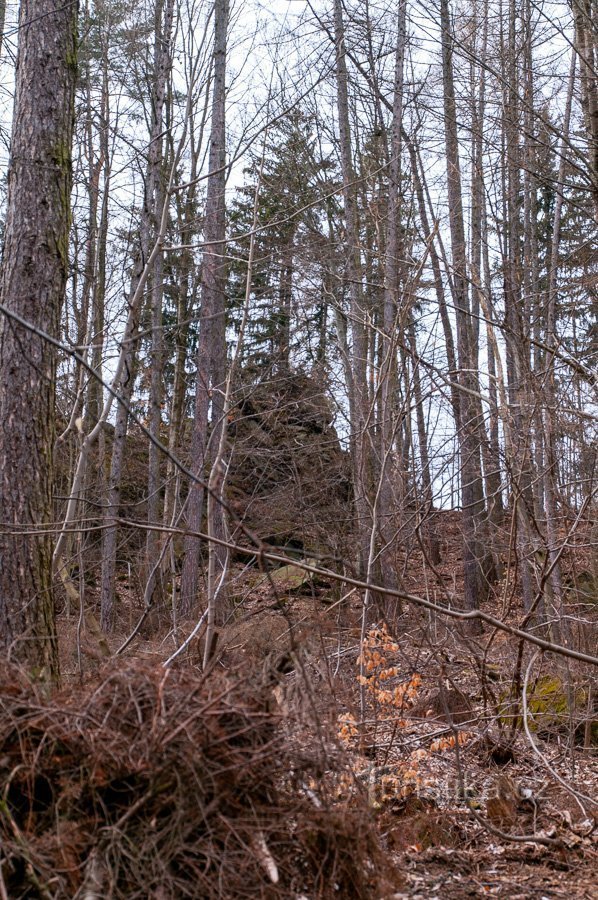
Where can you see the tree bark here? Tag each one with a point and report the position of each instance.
(155, 416)
(95, 394)
(358, 396)
(392, 320)
(585, 15)
(150, 214)
(469, 449)
(517, 328)
(211, 354)
(32, 285)
(2, 21)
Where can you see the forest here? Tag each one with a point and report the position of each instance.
(298, 449)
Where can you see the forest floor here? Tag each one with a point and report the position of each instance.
(429, 723)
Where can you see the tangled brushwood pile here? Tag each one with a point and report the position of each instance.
(163, 784)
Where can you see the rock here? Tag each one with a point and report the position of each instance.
(289, 578)
(449, 705)
(288, 478)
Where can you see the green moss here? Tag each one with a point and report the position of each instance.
(72, 51)
(61, 157)
(547, 701)
(551, 706)
(71, 58)
(290, 577)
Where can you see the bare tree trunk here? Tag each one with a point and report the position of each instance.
(96, 390)
(438, 283)
(491, 518)
(468, 430)
(2, 22)
(585, 15)
(149, 216)
(211, 354)
(358, 388)
(493, 474)
(431, 534)
(188, 279)
(82, 312)
(285, 299)
(177, 400)
(392, 320)
(32, 285)
(517, 328)
(549, 407)
(95, 393)
(110, 533)
(155, 418)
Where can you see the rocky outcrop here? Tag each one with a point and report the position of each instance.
(288, 477)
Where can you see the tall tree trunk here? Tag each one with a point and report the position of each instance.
(155, 417)
(82, 312)
(358, 388)
(492, 520)
(32, 285)
(149, 216)
(285, 299)
(110, 532)
(2, 22)
(393, 319)
(468, 426)
(430, 532)
(95, 393)
(495, 496)
(449, 340)
(185, 294)
(585, 17)
(187, 285)
(517, 328)
(550, 474)
(211, 354)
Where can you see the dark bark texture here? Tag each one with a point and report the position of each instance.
(32, 285)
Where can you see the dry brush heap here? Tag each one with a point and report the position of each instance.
(153, 782)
